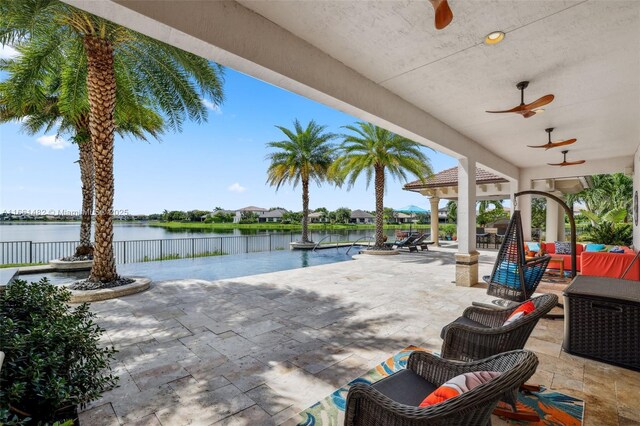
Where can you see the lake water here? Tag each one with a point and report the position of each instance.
(55, 231)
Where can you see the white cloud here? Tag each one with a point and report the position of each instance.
(53, 141)
(211, 106)
(236, 187)
(8, 52)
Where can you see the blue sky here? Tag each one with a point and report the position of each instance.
(218, 163)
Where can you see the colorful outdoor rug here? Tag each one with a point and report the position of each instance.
(555, 278)
(555, 408)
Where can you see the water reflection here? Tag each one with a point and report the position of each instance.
(305, 258)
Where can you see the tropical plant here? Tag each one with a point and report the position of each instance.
(54, 360)
(452, 211)
(342, 215)
(376, 152)
(133, 116)
(389, 215)
(538, 212)
(606, 193)
(110, 57)
(303, 157)
(606, 232)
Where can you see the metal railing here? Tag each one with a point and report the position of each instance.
(132, 251)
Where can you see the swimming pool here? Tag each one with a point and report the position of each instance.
(213, 268)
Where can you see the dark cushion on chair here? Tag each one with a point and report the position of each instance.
(465, 321)
(405, 387)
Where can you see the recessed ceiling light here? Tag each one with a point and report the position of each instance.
(538, 111)
(494, 37)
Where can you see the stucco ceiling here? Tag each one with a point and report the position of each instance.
(587, 53)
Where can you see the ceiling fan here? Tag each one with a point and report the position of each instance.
(565, 162)
(550, 144)
(444, 15)
(527, 110)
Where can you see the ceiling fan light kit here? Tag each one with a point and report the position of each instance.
(565, 162)
(526, 110)
(550, 144)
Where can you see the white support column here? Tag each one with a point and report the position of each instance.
(551, 223)
(560, 220)
(435, 201)
(524, 205)
(467, 256)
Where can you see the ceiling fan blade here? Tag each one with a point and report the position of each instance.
(444, 15)
(568, 163)
(561, 143)
(540, 102)
(517, 109)
(527, 114)
(546, 145)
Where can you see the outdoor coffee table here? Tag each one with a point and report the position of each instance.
(557, 262)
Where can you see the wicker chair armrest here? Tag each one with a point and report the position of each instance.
(368, 400)
(487, 316)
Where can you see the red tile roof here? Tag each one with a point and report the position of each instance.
(449, 177)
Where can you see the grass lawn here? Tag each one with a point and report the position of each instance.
(279, 226)
(18, 265)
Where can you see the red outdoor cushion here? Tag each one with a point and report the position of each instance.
(458, 385)
(522, 310)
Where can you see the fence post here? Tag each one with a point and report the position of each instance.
(193, 247)
(30, 251)
(160, 249)
(124, 252)
(269, 242)
(247, 244)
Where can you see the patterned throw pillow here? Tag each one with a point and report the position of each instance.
(458, 385)
(563, 247)
(522, 310)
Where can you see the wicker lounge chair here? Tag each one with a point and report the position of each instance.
(395, 399)
(480, 332)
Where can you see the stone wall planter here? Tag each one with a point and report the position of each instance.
(139, 285)
(77, 265)
(297, 245)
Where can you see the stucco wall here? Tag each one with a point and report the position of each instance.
(636, 188)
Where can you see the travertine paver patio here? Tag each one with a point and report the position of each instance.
(258, 349)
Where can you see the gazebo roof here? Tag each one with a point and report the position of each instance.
(449, 177)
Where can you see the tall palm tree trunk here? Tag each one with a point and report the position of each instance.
(87, 179)
(379, 184)
(101, 85)
(305, 210)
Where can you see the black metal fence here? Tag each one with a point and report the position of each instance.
(147, 250)
(17, 252)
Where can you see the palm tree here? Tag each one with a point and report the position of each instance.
(375, 152)
(107, 56)
(43, 113)
(304, 156)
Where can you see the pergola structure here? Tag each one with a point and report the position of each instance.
(489, 186)
(385, 63)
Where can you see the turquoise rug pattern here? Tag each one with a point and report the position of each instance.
(554, 408)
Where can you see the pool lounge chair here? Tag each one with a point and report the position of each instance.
(405, 242)
(421, 242)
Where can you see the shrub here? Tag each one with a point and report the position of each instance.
(619, 234)
(53, 360)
